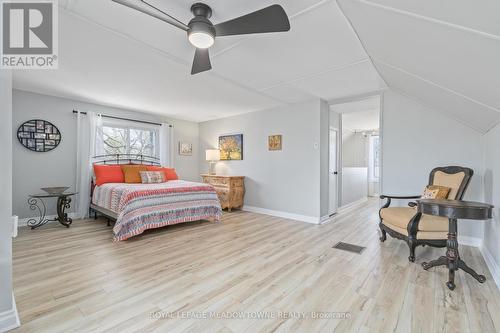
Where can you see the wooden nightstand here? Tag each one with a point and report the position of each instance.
(230, 189)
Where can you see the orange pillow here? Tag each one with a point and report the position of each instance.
(170, 173)
(132, 173)
(108, 174)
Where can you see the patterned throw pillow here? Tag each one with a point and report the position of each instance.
(152, 177)
(436, 192)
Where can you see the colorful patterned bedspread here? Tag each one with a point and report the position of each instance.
(146, 206)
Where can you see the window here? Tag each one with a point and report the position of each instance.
(117, 137)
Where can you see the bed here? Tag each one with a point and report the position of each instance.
(139, 207)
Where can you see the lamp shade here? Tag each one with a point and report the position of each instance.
(212, 154)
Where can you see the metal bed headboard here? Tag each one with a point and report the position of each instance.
(117, 159)
(126, 159)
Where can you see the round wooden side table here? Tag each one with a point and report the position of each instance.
(454, 210)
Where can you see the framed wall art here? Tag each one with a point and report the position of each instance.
(185, 148)
(274, 142)
(231, 147)
(39, 135)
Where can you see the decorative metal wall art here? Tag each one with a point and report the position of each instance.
(39, 135)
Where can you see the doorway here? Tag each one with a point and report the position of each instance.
(359, 151)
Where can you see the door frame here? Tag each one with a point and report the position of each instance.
(357, 98)
(337, 164)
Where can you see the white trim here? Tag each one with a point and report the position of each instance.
(9, 319)
(15, 225)
(328, 219)
(470, 241)
(286, 215)
(336, 167)
(325, 218)
(344, 208)
(491, 263)
(24, 222)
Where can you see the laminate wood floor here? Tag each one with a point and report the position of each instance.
(250, 273)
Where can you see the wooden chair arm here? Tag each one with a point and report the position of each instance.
(390, 197)
(399, 197)
(413, 226)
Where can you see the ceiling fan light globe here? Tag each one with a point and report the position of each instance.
(201, 40)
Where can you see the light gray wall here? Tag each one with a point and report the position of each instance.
(354, 185)
(492, 191)
(33, 170)
(354, 150)
(6, 197)
(287, 180)
(416, 139)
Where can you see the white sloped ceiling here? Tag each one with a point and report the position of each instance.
(446, 54)
(112, 55)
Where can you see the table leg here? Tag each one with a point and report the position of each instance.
(62, 204)
(452, 253)
(452, 259)
(463, 266)
(441, 261)
(37, 204)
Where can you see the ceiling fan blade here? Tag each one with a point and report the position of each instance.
(269, 19)
(201, 61)
(151, 10)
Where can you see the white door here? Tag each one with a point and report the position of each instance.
(332, 174)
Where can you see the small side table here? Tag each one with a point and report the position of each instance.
(454, 210)
(35, 201)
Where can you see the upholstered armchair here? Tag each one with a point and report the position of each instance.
(415, 229)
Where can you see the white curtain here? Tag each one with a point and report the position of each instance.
(166, 145)
(87, 128)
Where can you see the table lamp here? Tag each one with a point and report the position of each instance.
(212, 156)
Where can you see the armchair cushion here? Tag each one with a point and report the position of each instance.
(453, 181)
(399, 217)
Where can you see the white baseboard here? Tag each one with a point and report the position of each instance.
(470, 241)
(492, 264)
(325, 218)
(352, 204)
(9, 319)
(24, 222)
(286, 215)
